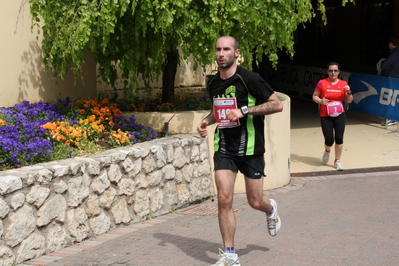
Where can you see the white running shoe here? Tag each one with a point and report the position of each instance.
(227, 259)
(326, 157)
(389, 123)
(273, 220)
(338, 166)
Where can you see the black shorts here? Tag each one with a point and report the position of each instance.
(251, 166)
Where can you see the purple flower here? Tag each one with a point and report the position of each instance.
(23, 141)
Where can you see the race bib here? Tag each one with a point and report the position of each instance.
(335, 108)
(221, 107)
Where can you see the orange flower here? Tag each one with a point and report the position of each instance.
(96, 110)
(117, 112)
(92, 118)
(75, 134)
(49, 125)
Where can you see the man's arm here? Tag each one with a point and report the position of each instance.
(271, 106)
(208, 120)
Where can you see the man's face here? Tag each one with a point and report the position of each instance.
(225, 52)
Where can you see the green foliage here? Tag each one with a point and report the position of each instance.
(149, 217)
(129, 39)
(61, 151)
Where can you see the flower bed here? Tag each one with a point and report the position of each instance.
(40, 132)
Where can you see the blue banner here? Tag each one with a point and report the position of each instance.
(375, 95)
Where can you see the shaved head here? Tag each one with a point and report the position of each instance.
(236, 45)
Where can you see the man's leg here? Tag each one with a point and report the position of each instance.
(225, 180)
(255, 196)
(259, 201)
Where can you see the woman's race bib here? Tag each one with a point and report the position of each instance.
(335, 108)
(221, 107)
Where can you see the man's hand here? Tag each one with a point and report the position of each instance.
(234, 114)
(201, 129)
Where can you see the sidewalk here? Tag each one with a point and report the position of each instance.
(328, 217)
(326, 220)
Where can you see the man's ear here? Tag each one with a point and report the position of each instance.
(237, 53)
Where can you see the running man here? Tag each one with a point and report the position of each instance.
(241, 99)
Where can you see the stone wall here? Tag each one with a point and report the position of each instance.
(48, 206)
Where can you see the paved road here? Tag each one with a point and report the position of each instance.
(345, 219)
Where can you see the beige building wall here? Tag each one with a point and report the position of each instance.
(22, 72)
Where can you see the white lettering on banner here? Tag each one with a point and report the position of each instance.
(389, 97)
(284, 75)
(381, 97)
(311, 78)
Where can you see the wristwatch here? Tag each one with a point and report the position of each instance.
(244, 110)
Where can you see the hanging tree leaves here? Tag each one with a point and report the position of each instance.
(140, 37)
